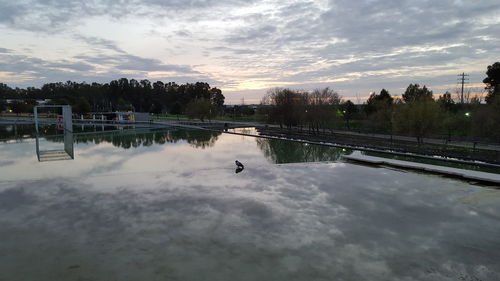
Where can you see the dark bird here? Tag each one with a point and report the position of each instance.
(238, 163)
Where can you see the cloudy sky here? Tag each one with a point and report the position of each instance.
(246, 47)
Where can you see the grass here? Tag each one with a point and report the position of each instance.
(252, 118)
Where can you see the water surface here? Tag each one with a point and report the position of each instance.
(168, 205)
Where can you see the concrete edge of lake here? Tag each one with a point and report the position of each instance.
(483, 177)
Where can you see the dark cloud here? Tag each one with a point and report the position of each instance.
(9, 12)
(99, 43)
(183, 33)
(20, 64)
(125, 61)
(253, 34)
(132, 62)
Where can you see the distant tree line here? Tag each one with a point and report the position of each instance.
(118, 95)
(417, 113)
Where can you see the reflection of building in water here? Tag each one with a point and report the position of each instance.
(62, 113)
(64, 153)
(64, 123)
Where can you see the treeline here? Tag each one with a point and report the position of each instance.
(290, 108)
(118, 95)
(417, 113)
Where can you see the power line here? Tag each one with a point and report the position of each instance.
(462, 80)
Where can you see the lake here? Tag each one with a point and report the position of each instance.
(169, 204)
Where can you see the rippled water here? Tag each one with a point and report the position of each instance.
(168, 205)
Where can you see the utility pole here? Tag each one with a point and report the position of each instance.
(462, 80)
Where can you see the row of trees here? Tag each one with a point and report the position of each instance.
(122, 94)
(417, 113)
(294, 108)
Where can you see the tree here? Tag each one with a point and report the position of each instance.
(286, 107)
(121, 94)
(81, 106)
(3, 105)
(453, 123)
(200, 108)
(216, 97)
(379, 110)
(6, 91)
(414, 92)
(485, 121)
(293, 108)
(348, 110)
(321, 108)
(375, 101)
(22, 106)
(418, 118)
(492, 82)
(446, 102)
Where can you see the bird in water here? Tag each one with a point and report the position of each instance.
(239, 166)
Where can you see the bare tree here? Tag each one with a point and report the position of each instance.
(322, 106)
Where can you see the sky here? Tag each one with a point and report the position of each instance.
(246, 47)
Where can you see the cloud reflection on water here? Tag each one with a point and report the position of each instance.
(177, 212)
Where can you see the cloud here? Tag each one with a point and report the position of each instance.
(77, 66)
(104, 61)
(99, 42)
(236, 51)
(245, 45)
(22, 64)
(252, 34)
(9, 12)
(39, 15)
(382, 39)
(83, 68)
(132, 62)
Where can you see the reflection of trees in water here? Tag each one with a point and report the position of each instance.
(129, 139)
(17, 131)
(283, 151)
(197, 138)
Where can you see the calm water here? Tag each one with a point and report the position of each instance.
(168, 205)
